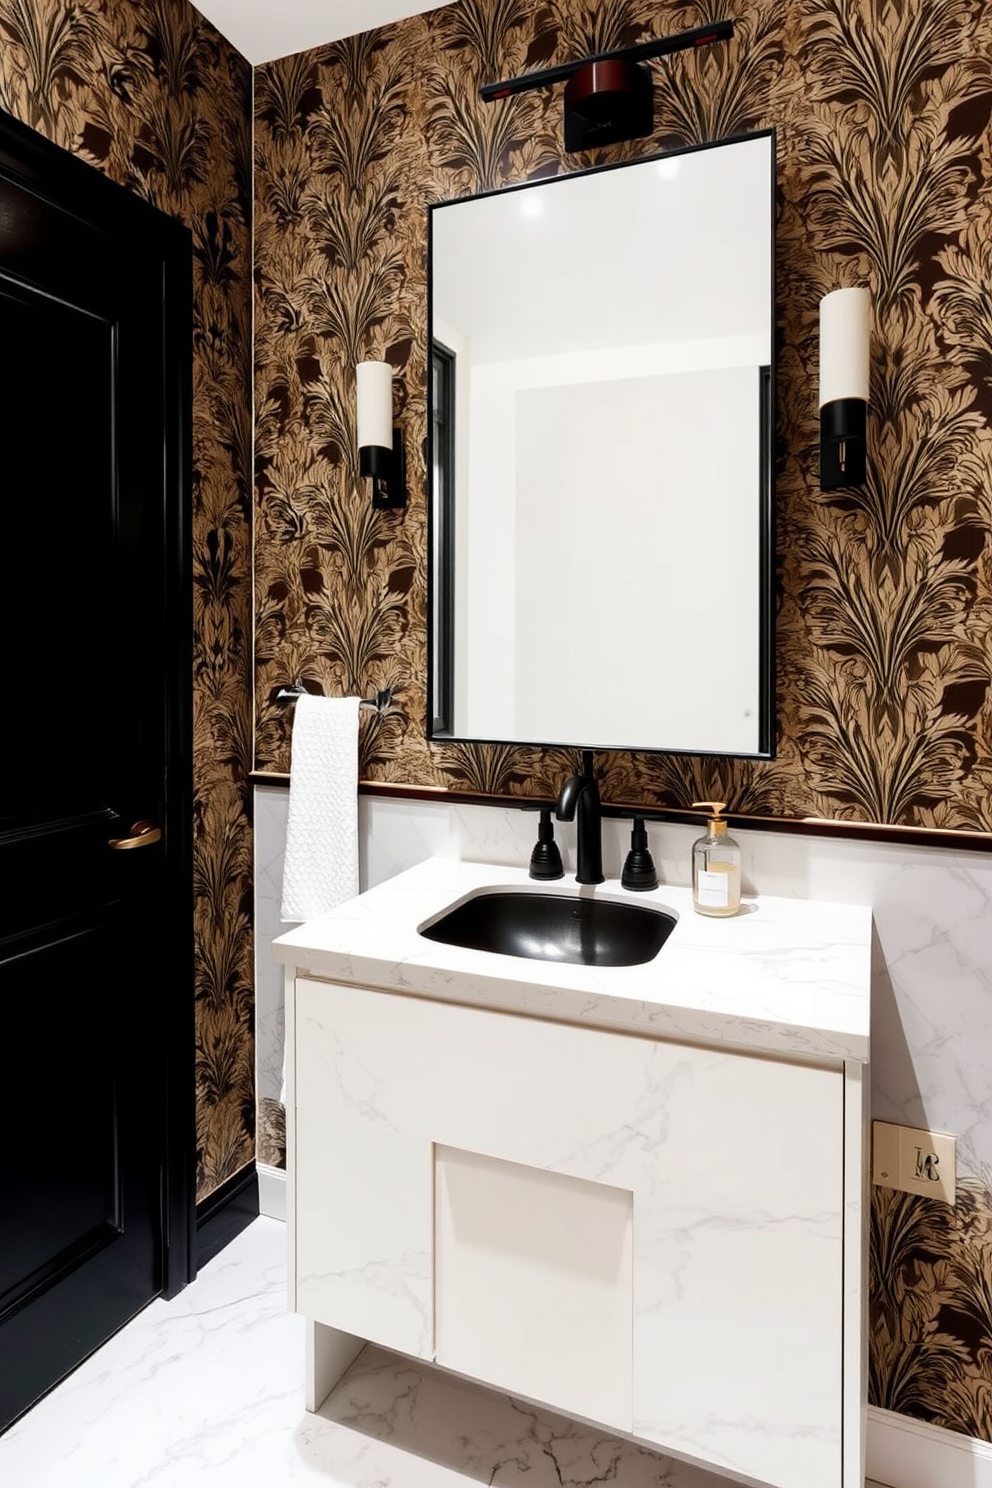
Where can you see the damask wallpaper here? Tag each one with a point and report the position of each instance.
(147, 92)
(885, 594)
(885, 173)
(931, 1307)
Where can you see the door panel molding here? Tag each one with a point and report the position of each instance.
(61, 1265)
(99, 817)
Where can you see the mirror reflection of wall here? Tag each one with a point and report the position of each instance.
(611, 336)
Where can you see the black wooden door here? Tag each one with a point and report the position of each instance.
(95, 921)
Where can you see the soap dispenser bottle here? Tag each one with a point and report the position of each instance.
(639, 871)
(716, 867)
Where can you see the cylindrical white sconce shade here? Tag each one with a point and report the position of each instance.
(844, 345)
(380, 445)
(375, 404)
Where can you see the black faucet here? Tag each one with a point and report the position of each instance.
(579, 802)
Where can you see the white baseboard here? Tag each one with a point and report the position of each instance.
(903, 1453)
(271, 1191)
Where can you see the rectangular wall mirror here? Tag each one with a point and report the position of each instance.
(602, 422)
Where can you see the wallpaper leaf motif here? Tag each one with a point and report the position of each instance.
(479, 143)
(356, 57)
(720, 91)
(592, 26)
(481, 30)
(490, 769)
(56, 46)
(351, 139)
(878, 655)
(885, 209)
(184, 52)
(920, 44)
(282, 94)
(174, 146)
(350, 313)
(931, 1307)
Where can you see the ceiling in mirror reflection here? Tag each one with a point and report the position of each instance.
(665, 225)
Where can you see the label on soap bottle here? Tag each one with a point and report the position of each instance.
(713, 888)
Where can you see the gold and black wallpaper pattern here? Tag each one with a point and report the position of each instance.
(149, 93)
(884, 687)
(884, 702)
(931, 1307)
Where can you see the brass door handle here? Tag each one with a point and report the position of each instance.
(145, 833)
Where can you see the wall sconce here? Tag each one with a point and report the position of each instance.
(380, 445)
(844, 348)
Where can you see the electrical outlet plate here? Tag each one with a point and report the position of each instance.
(918, 1162)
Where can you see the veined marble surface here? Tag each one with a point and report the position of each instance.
(785, 976)
(208, 1389)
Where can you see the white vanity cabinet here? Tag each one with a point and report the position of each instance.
(655, 1234)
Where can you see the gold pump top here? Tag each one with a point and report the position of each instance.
(716, 823)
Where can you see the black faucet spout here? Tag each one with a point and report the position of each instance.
(579, 801)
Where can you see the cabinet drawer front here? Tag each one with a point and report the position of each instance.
(533, 1283)
(734, 1164)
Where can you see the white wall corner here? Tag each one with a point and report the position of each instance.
(271, 1191)
(903, 1453)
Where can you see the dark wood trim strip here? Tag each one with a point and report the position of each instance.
(798, 826)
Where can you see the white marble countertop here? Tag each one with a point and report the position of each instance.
(785, 976)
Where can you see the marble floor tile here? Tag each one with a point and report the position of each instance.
(208, 1389)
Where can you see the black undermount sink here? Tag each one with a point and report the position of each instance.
(556, 927)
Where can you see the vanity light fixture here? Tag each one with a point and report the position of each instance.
(609, 97)
(380, 445)
(844, 352)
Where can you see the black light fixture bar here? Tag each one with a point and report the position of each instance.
(661, 47)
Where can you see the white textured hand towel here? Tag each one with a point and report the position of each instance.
(321, 868)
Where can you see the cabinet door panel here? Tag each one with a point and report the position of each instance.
(532, 1279)
(363, 1232)
(738, 1276)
